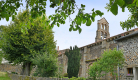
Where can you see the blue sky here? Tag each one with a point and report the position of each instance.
(65, 39)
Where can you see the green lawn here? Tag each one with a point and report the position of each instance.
(4, 76)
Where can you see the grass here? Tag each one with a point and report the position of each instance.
(4, 76)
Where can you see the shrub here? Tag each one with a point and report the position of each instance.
(66, 75)
(14, 72)
(46, 65)
(79, 78)
(107, 63)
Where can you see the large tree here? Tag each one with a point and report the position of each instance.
(64, 9)
(19, 47)
(74, 57)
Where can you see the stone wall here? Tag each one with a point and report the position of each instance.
(92, 52)
(23, 77)
(130, 51)
(10, 68)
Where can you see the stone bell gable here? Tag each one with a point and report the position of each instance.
(91, 52)
(102, 30)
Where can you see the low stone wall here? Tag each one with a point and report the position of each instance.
(4, 67)
(23, 77)
(8, 67)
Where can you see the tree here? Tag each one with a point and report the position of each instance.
(19, 47)
(46, 65)
(64, 9)
(107, 63)
(74, 57)
(1, 53)
(132, 6)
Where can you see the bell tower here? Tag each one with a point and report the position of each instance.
(102, 30)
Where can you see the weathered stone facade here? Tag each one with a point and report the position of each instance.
(129, 45)
(93, 51)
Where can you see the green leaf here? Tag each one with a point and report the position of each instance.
(65, 5)
(82, 5)
(93, 14)
(93, 9)
(63, 14)
(84, 20)
(13, 17)
(92, 19)
(137, 3)
(88, 23)
(58, 24)
(78, 21)
(70, 29)
(7, 18)
(120, 2)
(15, 13)
(80, 30)
(99, 13)
(114, 9)
(123, 9)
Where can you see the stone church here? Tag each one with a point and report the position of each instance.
(128, 41)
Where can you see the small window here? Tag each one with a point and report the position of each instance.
(130, 71)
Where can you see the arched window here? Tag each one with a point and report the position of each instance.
(102, 35)
(105, 35)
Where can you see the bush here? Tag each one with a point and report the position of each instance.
(14, 72)
(80, 78)
(107, 63)
(46, 65)
(66, 75)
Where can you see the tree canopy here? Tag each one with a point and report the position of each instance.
(65, 8)
(19, 47)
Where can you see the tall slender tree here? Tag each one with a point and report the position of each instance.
(74, 57)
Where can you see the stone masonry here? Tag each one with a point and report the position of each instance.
(103, 41)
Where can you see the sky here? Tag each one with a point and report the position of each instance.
(65, 38)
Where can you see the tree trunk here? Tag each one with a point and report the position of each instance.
(26, 69)
(23, 67)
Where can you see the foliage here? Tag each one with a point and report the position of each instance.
(65, 74)
(64, 9)
(19, 47)
(132, 6)
(46, 64)
(80, 78)
(14, 72)
(109, 61)
(74, 57)
(59, 73)
(1, 52)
